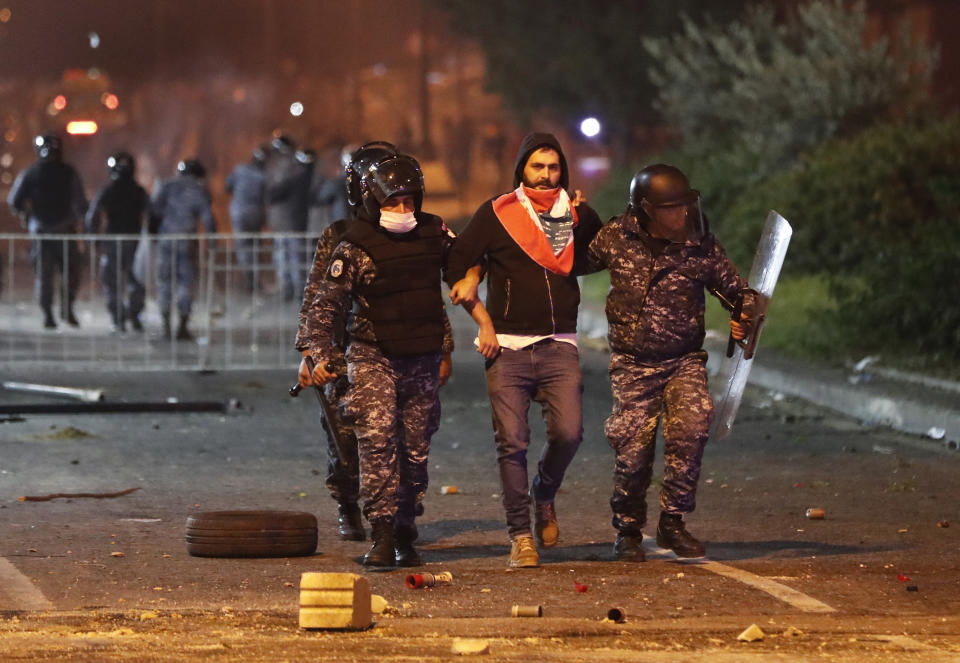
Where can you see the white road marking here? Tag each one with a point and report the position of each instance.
(17, 592)
(775, 589)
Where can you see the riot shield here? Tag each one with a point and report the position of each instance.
(735, 369)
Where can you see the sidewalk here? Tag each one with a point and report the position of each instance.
(906, 402)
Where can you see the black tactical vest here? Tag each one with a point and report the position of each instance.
(404, 302)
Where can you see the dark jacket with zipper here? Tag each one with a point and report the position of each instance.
(522, 296)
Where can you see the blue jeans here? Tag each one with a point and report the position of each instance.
(547, 372)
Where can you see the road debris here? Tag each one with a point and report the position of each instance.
(936, 433)
(68, 433)
(449, 490)
(83, 395)
(617, 615)
(116, 553)
(903, 578)
(882, 449)
(526, 611)
(466, 646)
(580, 587)
(943, 524)
(913, 588)
(54, 496)
(815, 513)
(172, 406)
(751, 634)
(421, 580)
(378, 604)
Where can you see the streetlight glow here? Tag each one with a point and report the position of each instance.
(590, 127)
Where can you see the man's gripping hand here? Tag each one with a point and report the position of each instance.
(316, 377)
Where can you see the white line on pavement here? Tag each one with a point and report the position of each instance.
(17, 592)
(786, 594)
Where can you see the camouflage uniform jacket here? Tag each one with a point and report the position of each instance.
(329, 297)
(656, 302)
(328, 241)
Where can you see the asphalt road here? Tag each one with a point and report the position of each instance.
(110, 579)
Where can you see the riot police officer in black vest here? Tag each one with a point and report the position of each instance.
(124, 204)
(48, 197)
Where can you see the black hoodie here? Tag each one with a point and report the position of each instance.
(522, 296)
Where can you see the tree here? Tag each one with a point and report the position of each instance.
(751, 95)
(574, 58)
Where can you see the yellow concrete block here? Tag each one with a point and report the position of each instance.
(328, 580)
(334, 601)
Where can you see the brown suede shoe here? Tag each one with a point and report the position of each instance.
(545, 524)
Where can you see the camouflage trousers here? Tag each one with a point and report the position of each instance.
(675, 393)
(394, 407)
(343, 467)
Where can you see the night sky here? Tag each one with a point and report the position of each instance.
(183, 37)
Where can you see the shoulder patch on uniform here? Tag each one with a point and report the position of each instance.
(336, 268)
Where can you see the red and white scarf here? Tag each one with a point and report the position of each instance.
(518, 215)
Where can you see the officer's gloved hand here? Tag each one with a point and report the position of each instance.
(740, 329)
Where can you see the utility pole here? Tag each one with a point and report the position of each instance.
(426, 147)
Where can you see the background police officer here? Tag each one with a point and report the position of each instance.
(177, 205)
(246, 186)
(284, 205)
(123, 202)
(48, 197)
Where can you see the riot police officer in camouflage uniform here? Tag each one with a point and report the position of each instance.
(48, 197)
(661, 258)
(177, 205)
(343, 470)
(388, 270)
(246, 185)
(124, 203)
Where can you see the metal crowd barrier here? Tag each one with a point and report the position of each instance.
(241, 317)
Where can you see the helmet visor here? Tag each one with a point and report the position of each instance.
(680, 222)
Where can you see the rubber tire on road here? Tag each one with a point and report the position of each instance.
(251, 534)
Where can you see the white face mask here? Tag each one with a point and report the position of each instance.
(398, 222)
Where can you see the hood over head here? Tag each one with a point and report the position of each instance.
(530, 144)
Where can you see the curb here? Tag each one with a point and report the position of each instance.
(905, 402)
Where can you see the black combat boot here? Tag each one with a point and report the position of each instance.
(350, 522)
(629, 548)
(381, 554)
(48, 321)
(672, 534)
(69, 317)
(404, 552)
(135, 323)
(183, 334)
(119, 325)
(167, 334)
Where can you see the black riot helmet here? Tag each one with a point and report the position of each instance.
(259, 155)
(48, 146)
(121, 165)
(393, 176)
(665, 205)
(192, 167)
(360, 161)
(282, 143)
(306, 156)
